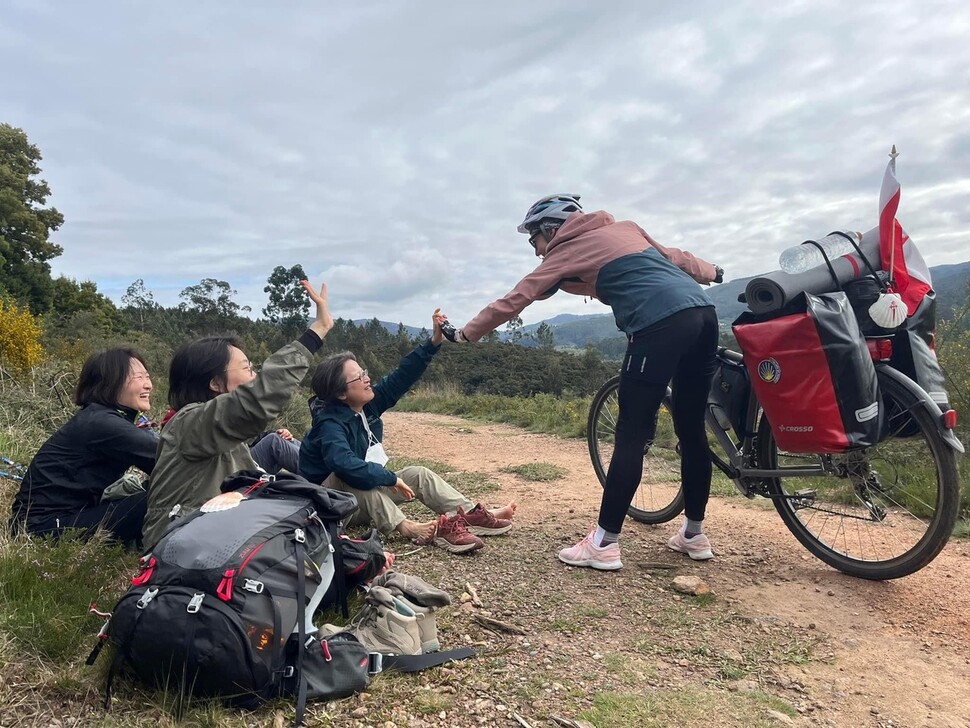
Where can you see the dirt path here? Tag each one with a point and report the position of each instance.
(897, 653)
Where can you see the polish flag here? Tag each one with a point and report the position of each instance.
(909, 275)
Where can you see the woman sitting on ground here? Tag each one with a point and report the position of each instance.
(343, 451)
(77, 478)
(218, 405)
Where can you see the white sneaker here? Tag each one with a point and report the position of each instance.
(698, 547)
(604, 558)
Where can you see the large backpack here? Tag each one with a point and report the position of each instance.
(224, 603)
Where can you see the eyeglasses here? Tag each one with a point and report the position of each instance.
(253, 368)
(359, 377)
(532, 238)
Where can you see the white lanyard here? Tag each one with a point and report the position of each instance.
(375, 450)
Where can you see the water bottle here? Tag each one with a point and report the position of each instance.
(800, 258)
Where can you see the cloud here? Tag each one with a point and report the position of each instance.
(392, 147)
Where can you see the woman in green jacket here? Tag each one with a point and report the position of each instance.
(219, 403)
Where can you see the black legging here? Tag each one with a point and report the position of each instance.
(680, 350)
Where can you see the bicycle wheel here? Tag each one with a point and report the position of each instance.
(891, 507)
(659, 497)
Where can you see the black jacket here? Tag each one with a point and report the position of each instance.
(87, 454)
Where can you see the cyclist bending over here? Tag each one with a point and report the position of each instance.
(672, 331)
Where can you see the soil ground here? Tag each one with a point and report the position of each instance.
(834, 650)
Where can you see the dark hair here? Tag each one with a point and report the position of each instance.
(194, 365)
(104, 375)
(328, 381)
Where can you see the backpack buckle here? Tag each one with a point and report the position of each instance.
(146, 597)
(195, 603)
(375, 663)
(289, 671)
(254, 586)
(176, 510)
(299, 535)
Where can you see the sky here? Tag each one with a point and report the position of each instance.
(391, 148)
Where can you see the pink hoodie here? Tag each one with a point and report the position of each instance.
(583, 245)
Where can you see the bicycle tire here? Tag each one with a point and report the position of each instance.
(660, 497)
(916, 519)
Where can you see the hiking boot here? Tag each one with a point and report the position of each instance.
(604, 558)
(427, 624)
(697, 547)
(452, 536)
(482, 523)
(386, 624)
(414, 588)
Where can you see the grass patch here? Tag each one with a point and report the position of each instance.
(542, 472)
(564, 416)
(681, 707)
(46, 588)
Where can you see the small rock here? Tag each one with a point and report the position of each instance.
(733, 655)
(780, 718)
(693, 585)
(359, 712)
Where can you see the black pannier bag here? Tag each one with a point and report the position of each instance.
(914, 351)
(729, 395)
(812, 372)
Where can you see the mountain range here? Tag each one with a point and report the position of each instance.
(576, 331)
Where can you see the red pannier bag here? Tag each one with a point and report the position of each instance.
(813, 374)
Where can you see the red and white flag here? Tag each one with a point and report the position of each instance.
(908, 273)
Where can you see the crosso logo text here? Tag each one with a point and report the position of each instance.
(796, 428)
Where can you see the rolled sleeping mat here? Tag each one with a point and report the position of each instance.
(774, 290)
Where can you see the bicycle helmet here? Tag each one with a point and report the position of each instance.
(553, 209)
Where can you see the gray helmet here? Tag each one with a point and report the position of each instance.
(553, 209)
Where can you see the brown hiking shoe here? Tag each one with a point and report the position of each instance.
(452, 535)
(482, 523)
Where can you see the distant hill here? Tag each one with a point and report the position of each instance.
(574, 331)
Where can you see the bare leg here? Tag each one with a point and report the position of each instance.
(412, 529)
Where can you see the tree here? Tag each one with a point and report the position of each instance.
(209, 306)
(211, 297)
(514, 329)
(25, 224)
(289, 306)
(544, 336)
(139, 298)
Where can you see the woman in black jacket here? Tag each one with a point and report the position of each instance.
(68, 476)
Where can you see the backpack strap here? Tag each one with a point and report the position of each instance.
(300, 625)
(339, 575)
(415, 663)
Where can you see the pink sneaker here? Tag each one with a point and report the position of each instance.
(482, 523)
(606, 558)
(698, 547)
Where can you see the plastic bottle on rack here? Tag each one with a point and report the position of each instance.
(800, 258)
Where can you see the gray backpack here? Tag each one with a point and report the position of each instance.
(224, 603)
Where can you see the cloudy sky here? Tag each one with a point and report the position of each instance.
(391, 148)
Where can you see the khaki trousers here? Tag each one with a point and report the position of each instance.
(379, 506)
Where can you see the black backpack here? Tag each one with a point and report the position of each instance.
(224, 603)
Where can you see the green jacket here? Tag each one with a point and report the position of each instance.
(207, 441)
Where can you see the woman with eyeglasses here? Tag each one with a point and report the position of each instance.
(77, 479)
(344, 451)
(219, 404)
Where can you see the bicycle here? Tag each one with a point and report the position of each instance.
(881, 512)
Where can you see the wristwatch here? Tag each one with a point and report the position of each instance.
(719, 278)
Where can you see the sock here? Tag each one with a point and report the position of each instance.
(604, 538)
(692, 528)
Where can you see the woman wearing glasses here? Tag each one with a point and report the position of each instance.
(344, 451)
(77, 478)
(219, 403)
